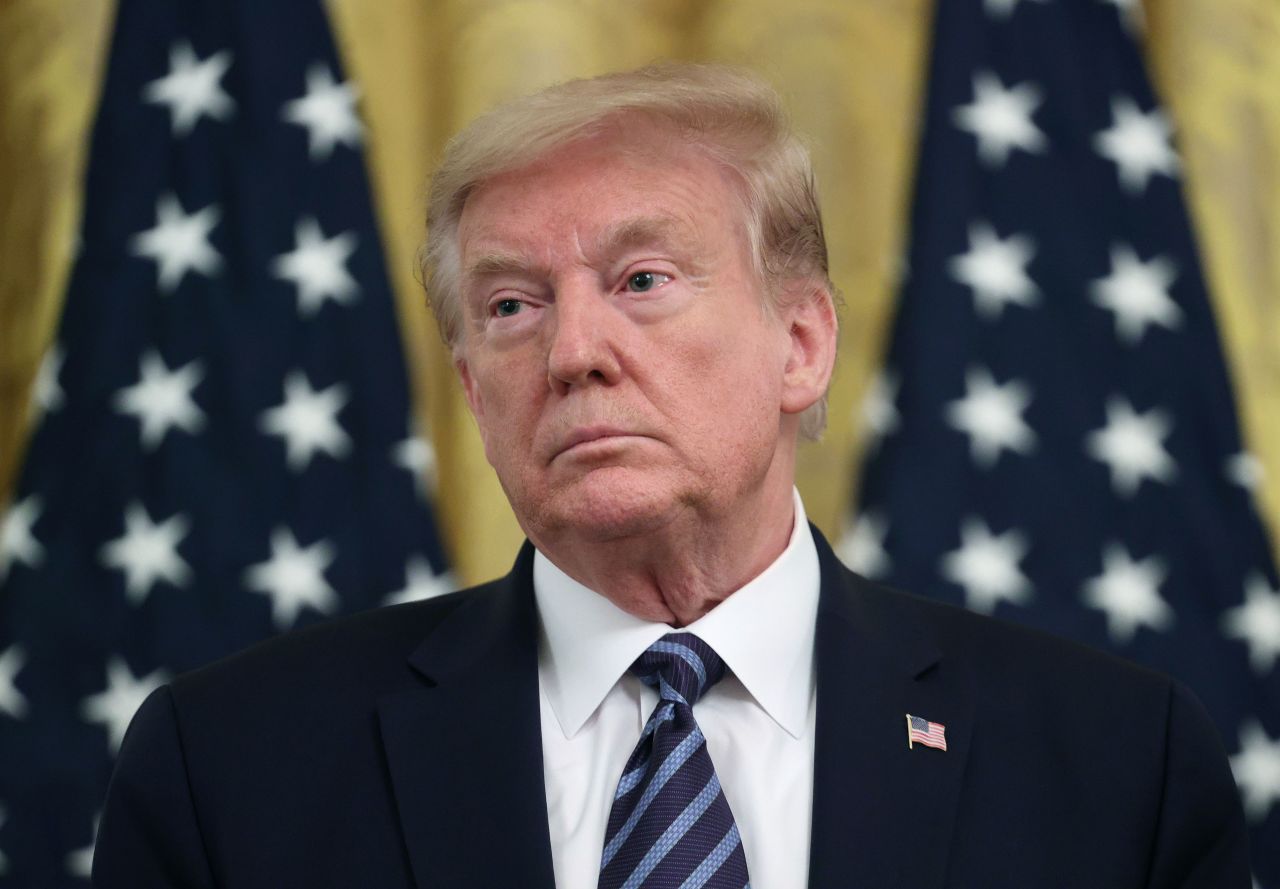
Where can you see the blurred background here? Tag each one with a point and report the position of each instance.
(225, 412)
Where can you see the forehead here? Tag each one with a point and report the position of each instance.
(615, 189)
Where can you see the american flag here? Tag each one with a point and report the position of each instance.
(922, 731)
(1053, 436)
(225, 448)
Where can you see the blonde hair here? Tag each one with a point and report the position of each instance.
(729, 114)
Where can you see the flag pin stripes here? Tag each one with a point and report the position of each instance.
(922, 731)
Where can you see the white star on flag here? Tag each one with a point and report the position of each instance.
(1256, 622)
(328, 111)
(1131, 445)
(192, 88)
(80, 861)
(1128, 592)
(12, 701)
(179, 243)
(1001, 118)
(1257, 770)
(1131, 13)
(317, 267)
(294, 577)
(996, 270)
(47, 394)
(878, 412)
(1138, 143)
(416, 456)
(1246, 470)
(114, 706)
(147, 552)
(1002, 9)
(986, 566)
(308, 421)
(1138, 293)
(991, 415)
(17, 542)
(421, 583)
(861, 547)
(161, 399)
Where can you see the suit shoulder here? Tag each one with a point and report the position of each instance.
(370, 646)
(999, 653)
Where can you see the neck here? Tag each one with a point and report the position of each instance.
(692, 563)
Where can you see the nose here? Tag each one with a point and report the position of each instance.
(582, 350)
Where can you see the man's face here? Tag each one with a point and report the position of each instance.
(616, 351)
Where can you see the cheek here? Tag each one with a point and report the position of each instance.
(511, 402)
(728, 397)
(747, 366)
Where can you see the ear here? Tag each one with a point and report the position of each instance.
(810, 314)
(469, 388)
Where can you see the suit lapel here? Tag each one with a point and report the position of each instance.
(882, 813)
(465, 751)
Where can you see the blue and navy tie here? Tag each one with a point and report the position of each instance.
(670, 826)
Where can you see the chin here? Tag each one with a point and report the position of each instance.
(607, 504)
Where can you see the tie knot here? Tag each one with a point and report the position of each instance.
(681, 666)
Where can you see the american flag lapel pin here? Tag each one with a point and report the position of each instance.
(922, 731)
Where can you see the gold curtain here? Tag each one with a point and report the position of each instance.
(853, 74)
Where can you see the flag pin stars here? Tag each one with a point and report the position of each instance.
(922, 731)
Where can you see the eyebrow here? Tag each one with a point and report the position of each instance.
(497, 263)
(659, 230)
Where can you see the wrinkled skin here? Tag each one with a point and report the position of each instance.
(634, 395)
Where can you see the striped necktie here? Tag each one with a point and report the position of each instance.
(670, 826)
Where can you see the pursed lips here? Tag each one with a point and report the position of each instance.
(586, 434)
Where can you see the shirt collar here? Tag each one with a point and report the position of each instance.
(763, 631)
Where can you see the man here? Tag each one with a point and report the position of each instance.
(632, 276)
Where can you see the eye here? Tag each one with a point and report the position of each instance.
(505, 308)
(642, 282)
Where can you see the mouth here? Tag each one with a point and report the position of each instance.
(588, 437)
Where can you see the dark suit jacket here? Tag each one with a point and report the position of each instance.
(402, 747)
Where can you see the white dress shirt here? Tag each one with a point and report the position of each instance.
(758, 720)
